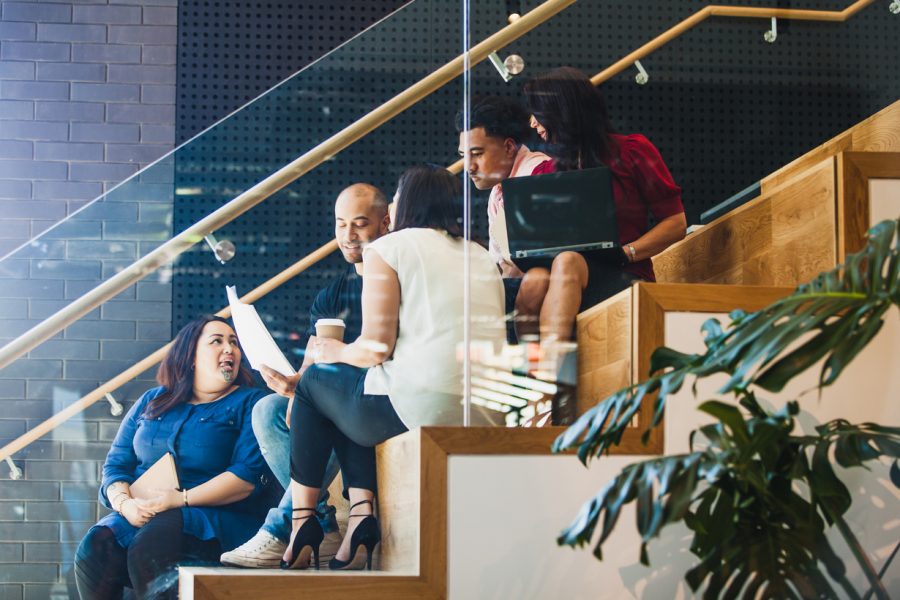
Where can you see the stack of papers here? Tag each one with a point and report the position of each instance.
(256, 341)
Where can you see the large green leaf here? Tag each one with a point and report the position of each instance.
(833, 317)
(738, 491)
(753, 530)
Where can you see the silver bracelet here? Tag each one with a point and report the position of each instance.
(631, 252)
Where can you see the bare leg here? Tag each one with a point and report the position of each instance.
(529, 301)
(301, 497)
(356, 495)
(568, 278)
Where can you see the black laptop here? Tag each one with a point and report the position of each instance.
(557, 212)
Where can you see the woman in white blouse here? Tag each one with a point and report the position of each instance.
(403, 371)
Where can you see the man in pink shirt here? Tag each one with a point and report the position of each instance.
(494, 148)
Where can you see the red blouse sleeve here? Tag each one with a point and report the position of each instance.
(544, 168)
(658, 190)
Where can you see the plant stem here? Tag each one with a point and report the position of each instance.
(820, 295)
(884, 569)
(859, 554)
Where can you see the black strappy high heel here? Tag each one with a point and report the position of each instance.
(309, 537)
(366, 535)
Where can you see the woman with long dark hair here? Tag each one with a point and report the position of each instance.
(402, 372)
(201, 415)
(569, 114)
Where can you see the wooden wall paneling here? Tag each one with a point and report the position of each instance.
(433, 515)
(804, 222)
(711, 297)
(878, 133)
(399, 490)
(649, 334)
(852, 206)
(781, 238)
(652, 301)
(460, 441)
(717, 252)
(604, 349)
(729, 250)
(853, 174)
(207, 583)
(841, 143)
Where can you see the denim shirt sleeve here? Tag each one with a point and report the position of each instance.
(247, 461)
(121, 461)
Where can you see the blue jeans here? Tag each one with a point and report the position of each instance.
(274, 439)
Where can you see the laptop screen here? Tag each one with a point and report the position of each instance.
(560, 210)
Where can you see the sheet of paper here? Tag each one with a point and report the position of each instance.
(498, 233)
(256, 341)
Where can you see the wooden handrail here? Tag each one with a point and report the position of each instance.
(456, 167)
(275, 182)
(742, 12)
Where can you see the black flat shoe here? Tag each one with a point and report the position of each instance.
(307, 541)
(365, 537)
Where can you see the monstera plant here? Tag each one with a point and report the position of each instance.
(757, 495)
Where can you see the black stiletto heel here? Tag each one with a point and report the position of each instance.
(309, 536)
(366, 535)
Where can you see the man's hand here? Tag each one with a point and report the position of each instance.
(510, 271)
(327, 351)
(134, 513)
(278, 383)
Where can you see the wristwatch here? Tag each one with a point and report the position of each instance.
(630, 253)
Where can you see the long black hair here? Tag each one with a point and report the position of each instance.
(176, 372)
(429, 196)
(573, 111)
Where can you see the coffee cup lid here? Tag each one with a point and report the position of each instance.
(333, 322)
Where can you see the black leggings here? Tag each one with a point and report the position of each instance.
(331, 412)
(103, 568)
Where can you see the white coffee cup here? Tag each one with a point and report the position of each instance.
(330, 328)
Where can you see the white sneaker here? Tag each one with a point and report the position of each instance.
(262, 551)
(330, 546)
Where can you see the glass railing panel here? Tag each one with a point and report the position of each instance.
(242, 149)
(57, 495)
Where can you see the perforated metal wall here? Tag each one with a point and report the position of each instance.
(724, 106)
(230, 52)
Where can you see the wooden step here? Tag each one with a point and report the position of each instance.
(878, 133)
(412, 508)
(807, 217)
(473, 513)
(617, 337)
(790, 233)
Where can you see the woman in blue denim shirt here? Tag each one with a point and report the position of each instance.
(200, 414)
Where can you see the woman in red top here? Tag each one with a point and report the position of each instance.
(569, 113)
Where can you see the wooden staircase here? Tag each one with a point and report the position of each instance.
(808, 216)
(413, 485)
